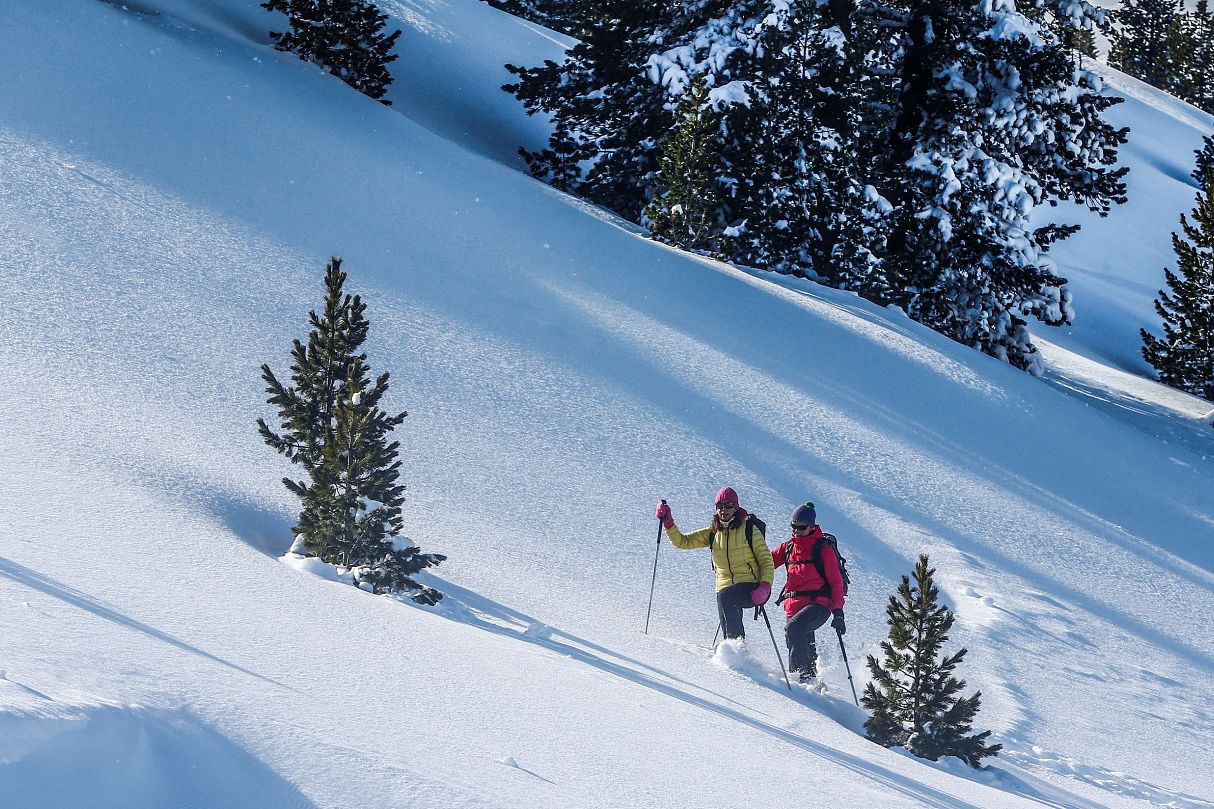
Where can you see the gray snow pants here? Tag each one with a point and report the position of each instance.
(731, 602)
(799, 633)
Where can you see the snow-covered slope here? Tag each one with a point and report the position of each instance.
(1115, 265)
(170, 188)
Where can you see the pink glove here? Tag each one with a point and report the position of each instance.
(663, 514)
(761, 593)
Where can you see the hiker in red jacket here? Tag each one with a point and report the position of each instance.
(813, 592)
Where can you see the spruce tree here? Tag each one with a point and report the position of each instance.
(911, 696)
(686, 209)
(1184, 357)
(607, 116)
(785, 80)
(954, 260)
(1082, 42)
(992, 119)
(1074, 24)
(1144, 42)
(1199, 82)
(1181, 46)
(795, 149)
(344, 37)
(1192, 43)
(1205, 159)
(892, 147)
(332, 425)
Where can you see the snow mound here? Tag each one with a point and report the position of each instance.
(104, 756)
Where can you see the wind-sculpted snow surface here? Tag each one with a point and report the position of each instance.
(117, 757)
(163, 225)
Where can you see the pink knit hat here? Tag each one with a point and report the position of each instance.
(726, 495)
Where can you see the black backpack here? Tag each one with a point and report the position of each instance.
(751, 522)
(816, 560)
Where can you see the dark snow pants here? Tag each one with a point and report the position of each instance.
(731, 602)
(799, 633)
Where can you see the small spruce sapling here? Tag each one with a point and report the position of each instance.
(686, 210)
(911, 697)
(331, 424)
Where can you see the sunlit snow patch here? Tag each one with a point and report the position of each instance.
(734, 655)
(976, 608)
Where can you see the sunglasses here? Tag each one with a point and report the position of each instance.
(797, 527)
(726, 506)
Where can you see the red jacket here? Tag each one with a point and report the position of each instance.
(803, 575)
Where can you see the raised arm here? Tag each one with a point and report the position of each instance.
(696, 539)
(687, 542)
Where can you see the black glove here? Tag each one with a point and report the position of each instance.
(838, 623)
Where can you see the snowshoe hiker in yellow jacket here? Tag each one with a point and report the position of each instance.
(739, 555)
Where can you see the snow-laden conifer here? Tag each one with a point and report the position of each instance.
(1194, 51)
(1144, 42)
(784, 77)
(332, 425)
(897, 148)
(344, 37)
(1184, 356)
(992, 119)
(607, 118)
(912, 695)
(800, 174)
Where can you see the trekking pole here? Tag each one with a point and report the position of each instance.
(654, 580)
(847, 665)
(714, 634)
(762, 610)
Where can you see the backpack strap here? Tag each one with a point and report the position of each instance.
(787, 550)
(816, 558)
(750, 537)
(813, 560)
(824, 591)
(750, 533)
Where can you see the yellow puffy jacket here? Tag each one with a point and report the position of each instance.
(732, 556)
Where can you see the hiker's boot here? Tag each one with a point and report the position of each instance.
(808, 671)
